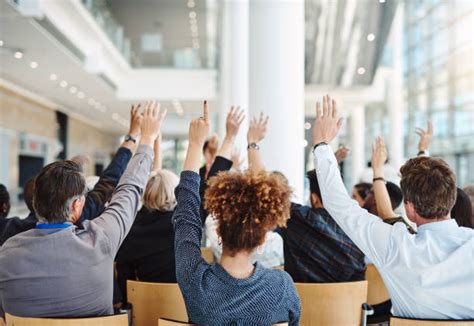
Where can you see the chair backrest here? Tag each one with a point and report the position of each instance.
(208, 255)
(151, 301)
(397, 321)
(332, 303)
(168, 322)
(116, 320)
(377, 292)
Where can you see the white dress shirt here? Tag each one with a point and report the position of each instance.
(428, 275)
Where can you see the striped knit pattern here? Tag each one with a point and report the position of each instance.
(212, 296)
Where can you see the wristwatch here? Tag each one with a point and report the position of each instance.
(253, 146)
(130, 138)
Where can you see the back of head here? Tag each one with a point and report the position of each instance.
(469, 190)
(246, 206)
(28, 192)
(430, 185)
(395, 194)
(462, 210)
(4, 201)
(159, 191)
(313, 184)
(56, 187)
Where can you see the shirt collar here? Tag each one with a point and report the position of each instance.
(446, 225)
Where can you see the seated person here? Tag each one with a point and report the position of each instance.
(429, 274)
(95, 199)
(246, 206)
(462, 210)
(59, 269)
(360, 192)
(315, 247)
(4, 202)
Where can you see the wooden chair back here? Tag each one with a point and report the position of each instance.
(151, 301)
(168, 322)
(377, 292)
(332, 303)
(397, 321)
(116, 320)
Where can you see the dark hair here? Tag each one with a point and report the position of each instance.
(430, 185)
(395, 194)
(462, 210)
(28, 193)
(246, 206)
(313, 184)
(55, 186)
(206, 145)
(363, 189)
(4, 201)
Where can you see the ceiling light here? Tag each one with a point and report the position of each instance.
(370, 37)
(1, 43)
(381, 1)
(81, 95)
(191, 4)
(361, 70)
(91, 101)
(34, 64)
(305, 143)
(192, 14)
(53, 77)
(18, 55)
(307, 125)
(73, 90)
(103, 109)
(63, 83)
(97, 105)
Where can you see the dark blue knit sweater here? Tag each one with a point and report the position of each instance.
(212, 296)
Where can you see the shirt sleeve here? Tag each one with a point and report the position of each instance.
(370, 234)
(187, 228)
(117, 219)
(97, 197)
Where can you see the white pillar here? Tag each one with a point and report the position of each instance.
(234, 74)
(357, 142)
(395, 98)
(277, 83)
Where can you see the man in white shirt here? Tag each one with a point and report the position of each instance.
(429, 274)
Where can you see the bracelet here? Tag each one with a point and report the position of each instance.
(377, 179)
(318, 144)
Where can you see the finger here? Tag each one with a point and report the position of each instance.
(147, 109)
(339, 123)
(266, 120)
(334, 109)
(156, 109)
(205, 112)
(137, 108)
(430, 127)
(241, 119)
(318, 110)
(419, 131)
(163, 114)
(325, 106)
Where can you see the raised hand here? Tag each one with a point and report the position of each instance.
(327, 123)
(426, 136)
(379, 157)
(135, 121)
(151, 123)
(199, 128)
(235, 157)
(257, 129)
(341, 154)
(233, 121)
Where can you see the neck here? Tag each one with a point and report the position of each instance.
(238, 266)
(422, 221)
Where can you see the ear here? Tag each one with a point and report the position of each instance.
(76, 208)
(410, 211)
(315, 200)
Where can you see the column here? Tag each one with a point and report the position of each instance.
(277, 83)
(357, 142)
(234, 74)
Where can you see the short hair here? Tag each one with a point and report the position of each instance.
(246, 205)
(205, 146)
(469, 190)
(430, 185)
(363, 189)
(462, 210)
(395, 194)
(159, 192)
(4, 199)
(56, 186)
(313, 183)
(28, 193)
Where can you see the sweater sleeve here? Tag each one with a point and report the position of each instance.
(187, 228)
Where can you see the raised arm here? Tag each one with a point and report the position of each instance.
(256, 133)
(367, 231)
(426, 136)
(379, 157)
(117, 219)
(186, 218)
(158, 157)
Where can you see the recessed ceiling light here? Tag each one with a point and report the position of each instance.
(53, 77)
(34, 64)
(73, 90)
(1, 43)
(192, 14)
(370, 37)
(63, 83)
(191, 4)
(81, 95)
(18, 55)
(361, 70)
(91, 101)
(381, 1)
(307, 125)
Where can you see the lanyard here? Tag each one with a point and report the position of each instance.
(53, 226)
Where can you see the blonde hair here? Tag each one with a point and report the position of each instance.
(159, 191)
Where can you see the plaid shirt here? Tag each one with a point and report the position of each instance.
(317, 250)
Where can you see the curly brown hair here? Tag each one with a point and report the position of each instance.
(246, 206)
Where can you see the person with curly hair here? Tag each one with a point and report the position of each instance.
(246, 205)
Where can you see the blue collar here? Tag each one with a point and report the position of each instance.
(53, 225)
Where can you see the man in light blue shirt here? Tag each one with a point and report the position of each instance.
(428, 275)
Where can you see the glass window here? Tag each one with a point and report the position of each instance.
(440, 123)
(463, 120)
(440, 98)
